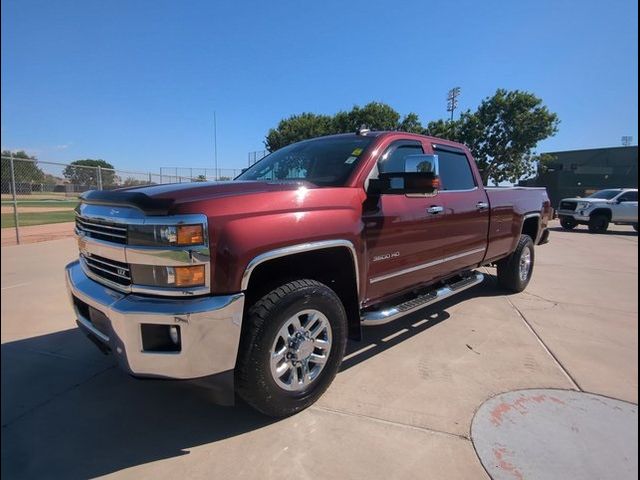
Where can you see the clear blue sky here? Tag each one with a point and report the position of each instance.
(136, 82)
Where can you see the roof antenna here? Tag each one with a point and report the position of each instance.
(362, 130)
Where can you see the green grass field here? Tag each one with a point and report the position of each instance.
(40, 218)
(42, 203)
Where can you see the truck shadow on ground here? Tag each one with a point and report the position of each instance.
(378, 339)
(583, 230)
(68, 412)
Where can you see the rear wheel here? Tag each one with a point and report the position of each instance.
(568, 223)
(292, 347)
(598, 223)
(514, 272)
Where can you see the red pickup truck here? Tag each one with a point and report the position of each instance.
(255, 285)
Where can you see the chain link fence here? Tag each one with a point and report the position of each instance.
(43, 194)
(200, 174)
(257, 155)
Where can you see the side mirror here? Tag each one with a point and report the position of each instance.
(419, 176)
(421, 164)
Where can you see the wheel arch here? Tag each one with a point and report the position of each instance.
(531, 226)
(602, 211)
(332, 262)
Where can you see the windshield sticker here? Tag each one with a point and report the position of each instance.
(356, 152)
(350, 160)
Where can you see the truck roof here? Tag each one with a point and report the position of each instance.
(382, 133)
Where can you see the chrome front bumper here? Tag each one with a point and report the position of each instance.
(210, 328)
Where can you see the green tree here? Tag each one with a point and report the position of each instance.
(411, 123)
(25, 168)
(544, 162)
(374, 115)
(502, 133)
(78, 175)
(444, 129)
(298, 127)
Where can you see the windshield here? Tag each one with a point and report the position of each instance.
(326, 162)
(605, 194)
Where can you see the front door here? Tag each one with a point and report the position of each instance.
(627, 208)
(404, 235)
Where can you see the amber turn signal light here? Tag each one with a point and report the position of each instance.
(191, 276)
(190, 235)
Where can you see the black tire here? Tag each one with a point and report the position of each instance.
(635, 227)
(509, 268)
(598, 223)
(263, 320)
(568, 223)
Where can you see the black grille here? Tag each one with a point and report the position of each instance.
(112, 270)
(111, 232)
(565, 205)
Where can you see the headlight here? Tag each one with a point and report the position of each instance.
(166, 235)
(583, 205)
(161, 276)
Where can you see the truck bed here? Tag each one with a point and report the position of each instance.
(510, 206)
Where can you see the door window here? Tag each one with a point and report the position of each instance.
(628, 197)
(455, 171)
(393, 158)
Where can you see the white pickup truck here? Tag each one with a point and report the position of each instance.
(597, 211)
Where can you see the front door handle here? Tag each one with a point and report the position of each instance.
(435, 209)
(482, 205)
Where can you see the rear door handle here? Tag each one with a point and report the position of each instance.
(435, 209)
(482, 205)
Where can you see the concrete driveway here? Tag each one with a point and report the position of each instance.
(401, 407)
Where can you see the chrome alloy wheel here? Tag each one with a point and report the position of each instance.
(300, 350)
(525, 264)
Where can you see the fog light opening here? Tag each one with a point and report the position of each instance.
(174, 335)
(160, 338)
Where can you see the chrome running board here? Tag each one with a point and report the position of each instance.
(385, 315)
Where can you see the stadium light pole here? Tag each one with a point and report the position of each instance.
(452, 100)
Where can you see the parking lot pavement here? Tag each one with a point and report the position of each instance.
(401, 407)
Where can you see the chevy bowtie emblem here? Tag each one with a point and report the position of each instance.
(114, 211)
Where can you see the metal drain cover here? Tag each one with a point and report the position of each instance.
(552, 434)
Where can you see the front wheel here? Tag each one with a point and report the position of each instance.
(514, 272)
(292, 346)
(568, 223)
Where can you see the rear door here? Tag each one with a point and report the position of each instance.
(404, 240)
(466, 210)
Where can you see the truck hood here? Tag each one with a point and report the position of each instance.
(188, 192)
(165, 198)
